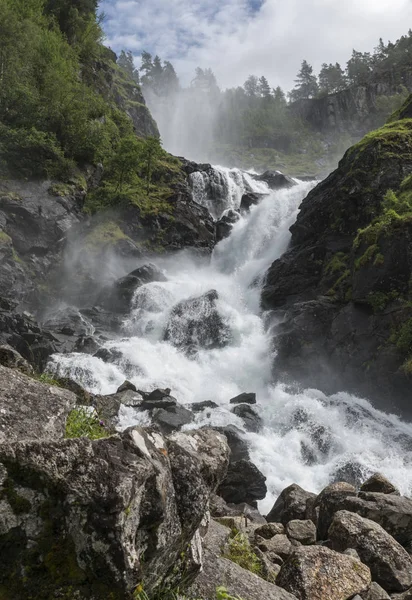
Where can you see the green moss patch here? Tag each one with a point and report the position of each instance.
(239, 551)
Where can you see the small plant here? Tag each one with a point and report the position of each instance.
(48, 379)
(240, 552)
(222, 594)
(82, 423)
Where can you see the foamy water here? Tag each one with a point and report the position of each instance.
(307, 437)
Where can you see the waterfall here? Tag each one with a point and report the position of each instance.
(308, 437)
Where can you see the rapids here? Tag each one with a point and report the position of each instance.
(308, 438)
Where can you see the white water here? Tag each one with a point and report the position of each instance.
(307, 436)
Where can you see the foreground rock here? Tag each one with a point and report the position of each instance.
(95, 519)
(317, 573)
(290, 505)
(30, 410)
(390, 564)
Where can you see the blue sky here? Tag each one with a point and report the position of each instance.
(264, 37)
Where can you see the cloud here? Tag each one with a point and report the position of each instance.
(264, 37)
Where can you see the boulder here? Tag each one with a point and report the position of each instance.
(329, 501)
(269, 530)
(10, 358)
(151, 402)
(243, 483)
(218, 571)
(290, 505)
(276, 180)
(172, 418)
(279, 544)
(301, 531)
(94, 519)
(249, 200)
(201, 406)
(68, 321)
(225, 225)
(379, 483)
(375, 592)
(31, 410)
(244, 398)
(251, 419)
(390, 564)
(196, 324)
(126, 385)
(317, 573)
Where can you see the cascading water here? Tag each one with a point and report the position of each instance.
(308, 438)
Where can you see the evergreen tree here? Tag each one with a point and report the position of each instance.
(306, 83)
(359, 67)
(251, 86)
(331, 78)
(126, 61)
(264, 87)
(279, 96)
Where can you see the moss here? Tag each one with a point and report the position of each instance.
(340, 282)
(407, 367)
(379, 300)
(404, 337)
(19, 504)
(336, 264)
(104, 234)
(367, 256)
(4, 239)
(389, 138)
(60, 189)
(82, 423)
(61, 564)
(239, 551)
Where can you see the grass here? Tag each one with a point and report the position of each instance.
(390, 139)
(221, 594)
(240, 552)
(82, 423)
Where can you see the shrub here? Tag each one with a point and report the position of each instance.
(82, 423)
(239, 551)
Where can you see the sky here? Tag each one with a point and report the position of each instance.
(237, 38)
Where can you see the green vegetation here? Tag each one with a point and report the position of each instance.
(240, 552)
(47, 378)
(140, 594)
(337, 263)
(83, 423)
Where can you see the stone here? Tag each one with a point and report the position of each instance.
(126, 385)
(269, 530)
(290, 505)
(243, 483)
(196, 324)
(244, 398)
(249, 200)
(68, 321)
(10, 358)
(171, 418)
(104, 516)
(379, 483)
(31, 410)
(375, 592)
(317, 573)
(251, 419)
(158, 401)
(390, 564)
(301, 531)
(218, 571)
(329, 501)
(279, 544)
(204, 405)
(276, 180)
(225, 225)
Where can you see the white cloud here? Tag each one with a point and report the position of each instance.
(235, 40)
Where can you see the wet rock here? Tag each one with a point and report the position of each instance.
(243, 483)
(244, 398)
(133, 495)
(201, 406)
(30, 410)
(237, 444)
(159, 394)
(301, 531)
(11, 359)
(249, 200)
(158, 399)
(225, 225)
(351, 472)
(126, 385)
(390, 564)
(196, 324)
(279, 544)
(290, 505)
(375, 593)
(329, 501)
(276, 180)
(269, 530)
(68, 321)
(379, 483)
(86, 344)
(118, 297)
(251, 419)
(218, 571)
(317, 573)
(172, 418)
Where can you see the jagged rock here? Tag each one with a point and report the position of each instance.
(243, 483)
(317, 573)
(218, 571)
(225, 225)
(244, 398)
(68, 321)
(329, 501)
(290, 505)
(86, 344)
(301, 531)
(126, 385)
(269, 530)
(196, 324)
(237, 444)
(83, 397)
(405, 596)
(375, 593)
(172, 418)
(249, 200)
(390, 564)
(379, 483)
(279, 544)
(219, 508)
(11, 359)
(251, 419)
(93, 510)
(159, 394)
(275, 180)
(200, 406)
(158, 399)
(119, 296)
(31, 410)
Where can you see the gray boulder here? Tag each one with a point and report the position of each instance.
(172, 418)
(276, 180)
(31, 410)
(379, 483)
(390, 564)
(290, 505)
(243, 483)
(375, 592)
(269, 530)
(317, 573)
(10, 358)
(301, 531)
(251, 419)
(89, 519)
(279, 544)
(244, 398)
(329, 501)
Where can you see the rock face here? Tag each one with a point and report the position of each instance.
(339, 296)
(196, 324)
(390, 564)
(30, 410)
(103, 516)
(317, 573)
(249, 200)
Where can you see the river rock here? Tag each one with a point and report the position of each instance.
(251, 419)
(290, 505)
(243, 483)
(390, 564)
(30, 410)
(11, 359)
(196, 324)
(301, 531)
(204, 405)
(126, 385)
(172, 418)
(244, 398)
(379, 483)
(317, 573)
(103, 516)
(329, 501)
(276, 180)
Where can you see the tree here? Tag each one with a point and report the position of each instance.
(151, 150)
(126, 61)
(359, 67)
(251, 86)
(279, 96)
(123, 164)
(331, 78)
(264, 87)
(306, 83)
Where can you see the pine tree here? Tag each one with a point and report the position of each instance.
(279, 96)
(332, 78)
(264, 87)
(359, 67)
(251, 86)
(306, 83)
(126, 61)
